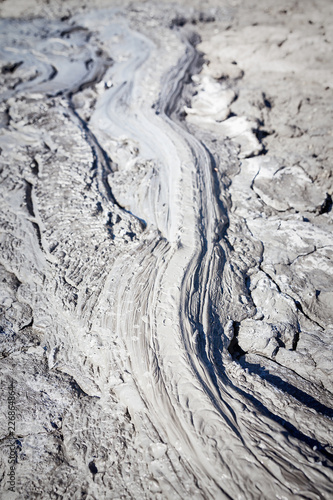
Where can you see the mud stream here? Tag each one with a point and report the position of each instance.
(131, 284)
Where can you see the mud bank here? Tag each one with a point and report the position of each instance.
(166, 250)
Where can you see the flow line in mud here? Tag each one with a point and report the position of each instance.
(100, 158)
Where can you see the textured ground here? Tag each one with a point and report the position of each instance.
(166, 249)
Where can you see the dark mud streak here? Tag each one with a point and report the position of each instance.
(214, 336)
(312, 443)
(53, 73)
(101, 162)
(28, 198)
(169, 105)
(10, 68)
(193, 62)
(293, 391)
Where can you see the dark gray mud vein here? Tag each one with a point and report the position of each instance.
(170, 106)
(309, 441)
(101, 160)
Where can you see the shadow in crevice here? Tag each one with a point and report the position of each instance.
(291, 429)
(304, 398)
(290, 389)
(234, 348)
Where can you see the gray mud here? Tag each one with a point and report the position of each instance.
(166, 250)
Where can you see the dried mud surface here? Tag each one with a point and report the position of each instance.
(166, 249)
